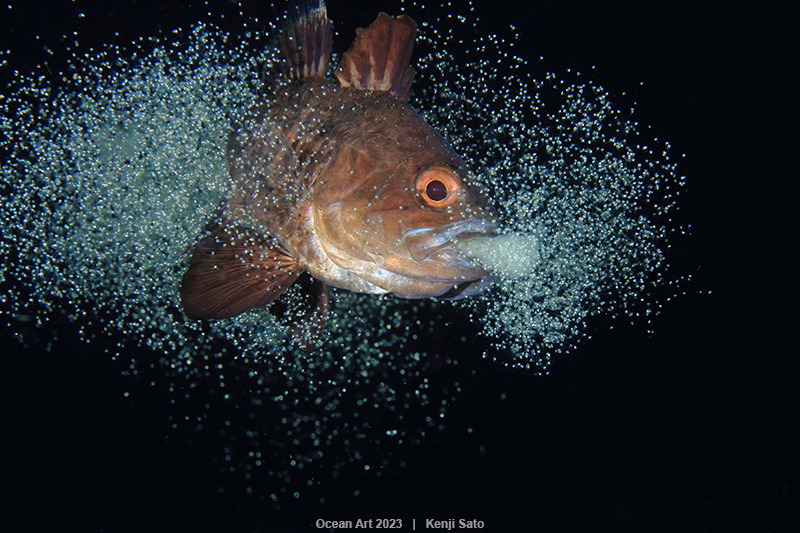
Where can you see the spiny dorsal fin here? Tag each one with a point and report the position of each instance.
(305, 40)
(379, 56)
(233, 270)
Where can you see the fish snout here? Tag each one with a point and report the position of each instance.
(436, 247)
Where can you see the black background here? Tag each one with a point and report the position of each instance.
(692, 428)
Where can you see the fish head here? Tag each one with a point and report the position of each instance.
(394, 201)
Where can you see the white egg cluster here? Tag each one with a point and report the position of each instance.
(588, 209)
(511, 256)
(113, 171)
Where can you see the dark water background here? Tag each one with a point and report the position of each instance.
(692, 428)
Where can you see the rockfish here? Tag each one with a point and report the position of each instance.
(343, 180)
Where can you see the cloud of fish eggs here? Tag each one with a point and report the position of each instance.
(587, 210)
(110, 177)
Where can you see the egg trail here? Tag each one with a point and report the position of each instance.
(109, 176)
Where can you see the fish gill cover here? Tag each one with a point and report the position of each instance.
(110, 170)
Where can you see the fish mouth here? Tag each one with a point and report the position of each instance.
(435, 244)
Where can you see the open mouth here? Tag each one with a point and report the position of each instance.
(435, 244)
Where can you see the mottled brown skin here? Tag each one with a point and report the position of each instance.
(330, 173)
(341, 179)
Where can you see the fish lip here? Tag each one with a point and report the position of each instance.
(425, 243)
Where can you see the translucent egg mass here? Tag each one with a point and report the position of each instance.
(109, 174)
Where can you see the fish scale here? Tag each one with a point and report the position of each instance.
(342, 180)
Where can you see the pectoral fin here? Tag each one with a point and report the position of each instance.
(233, 270)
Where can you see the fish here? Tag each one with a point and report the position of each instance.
(340, 179)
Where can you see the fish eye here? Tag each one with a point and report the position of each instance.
(437, 186)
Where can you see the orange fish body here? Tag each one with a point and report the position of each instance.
(342, 180)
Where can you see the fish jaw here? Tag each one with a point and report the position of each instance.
(434, 251)
(423, 262)
(380, 230)
(423, 243)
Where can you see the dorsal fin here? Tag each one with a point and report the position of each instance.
(379, 56)
(305, 40)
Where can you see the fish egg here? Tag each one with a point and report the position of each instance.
(110, 172)
(511, 256)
